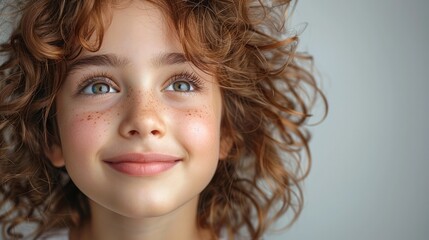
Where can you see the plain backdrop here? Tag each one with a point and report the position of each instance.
(369, 178)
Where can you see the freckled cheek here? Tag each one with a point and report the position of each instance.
(84, 132)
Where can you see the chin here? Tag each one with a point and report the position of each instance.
(145, 209)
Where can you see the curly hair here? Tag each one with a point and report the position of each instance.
(267, 92)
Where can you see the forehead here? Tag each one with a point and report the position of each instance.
(140, 19)
(137, 23)
(163, 24)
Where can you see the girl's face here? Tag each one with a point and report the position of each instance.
(139, 125)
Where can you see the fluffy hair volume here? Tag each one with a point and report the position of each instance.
(267, 96)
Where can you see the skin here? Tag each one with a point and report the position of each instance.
(133, 107)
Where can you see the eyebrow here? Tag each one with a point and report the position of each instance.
(169, 59)
(114, 60)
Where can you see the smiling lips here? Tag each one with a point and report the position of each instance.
(148, 164)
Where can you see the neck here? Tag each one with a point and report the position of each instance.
(104, 224)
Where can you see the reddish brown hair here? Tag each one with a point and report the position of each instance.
(267, 95)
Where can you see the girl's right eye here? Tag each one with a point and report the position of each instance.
(98, 87)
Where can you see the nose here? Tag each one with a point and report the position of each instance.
(141, 117)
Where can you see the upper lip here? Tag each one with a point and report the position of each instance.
(142, 158)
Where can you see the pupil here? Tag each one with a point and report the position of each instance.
(182, 86)
(100, 88)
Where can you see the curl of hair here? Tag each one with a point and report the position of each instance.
(267, 95)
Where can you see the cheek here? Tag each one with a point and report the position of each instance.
(200, 132)
(82, 132)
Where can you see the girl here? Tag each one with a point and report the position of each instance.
(151, 120)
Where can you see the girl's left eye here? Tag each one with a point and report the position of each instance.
(184, 82)
(180, 86)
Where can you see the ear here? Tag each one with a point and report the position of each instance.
(225, 146)
(55, 155)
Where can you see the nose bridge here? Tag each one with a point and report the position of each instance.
(142, 101)
(142, 114)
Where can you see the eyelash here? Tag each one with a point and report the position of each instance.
(189, 77)
(103, 77)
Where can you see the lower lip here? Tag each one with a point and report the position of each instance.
(142, 169)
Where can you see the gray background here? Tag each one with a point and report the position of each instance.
(369, 178)
(371, 156)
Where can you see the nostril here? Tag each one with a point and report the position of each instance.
(155, 132)
(133, 132)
